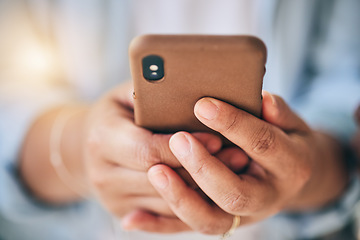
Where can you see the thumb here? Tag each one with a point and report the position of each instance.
(278, 113)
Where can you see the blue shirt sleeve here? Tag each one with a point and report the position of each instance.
(327, 98)
(331, 71)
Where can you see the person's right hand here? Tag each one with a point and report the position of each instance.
(293, 168)
(118, 154)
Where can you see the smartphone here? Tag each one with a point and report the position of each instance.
(172, 72)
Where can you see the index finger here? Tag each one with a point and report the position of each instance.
(238, 195)
(262, 141)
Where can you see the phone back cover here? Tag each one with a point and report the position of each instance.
(229, 68)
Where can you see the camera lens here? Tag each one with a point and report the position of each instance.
(153, 67)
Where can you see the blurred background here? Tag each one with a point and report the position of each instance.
(53, 52)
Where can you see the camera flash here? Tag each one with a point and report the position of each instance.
(154, 73)
(154, 67)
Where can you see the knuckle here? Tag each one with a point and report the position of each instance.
(147, 156)
(160, 145)
(232, 122)
(153, 152)
(177, 202)
(200, 169)
(263, 140)
(235, 203)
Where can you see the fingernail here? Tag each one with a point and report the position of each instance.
(206, 109)
(159, 179)
(180, 145)
(273, 100)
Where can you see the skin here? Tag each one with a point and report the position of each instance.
(104, 150)
(139, 176)
(293, 168)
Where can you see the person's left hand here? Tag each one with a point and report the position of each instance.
(292, 167)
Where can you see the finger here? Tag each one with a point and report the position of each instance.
(210, 141)
(213, 146)
(237, 195)
(146, 221)
(121, 181)
(260, 140)
(187, 204)
(156, 205)
(121, 141)
(186, 177)
(121, 206)
(278, 113)
(234, 158)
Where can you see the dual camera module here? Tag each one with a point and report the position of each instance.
(153, 67)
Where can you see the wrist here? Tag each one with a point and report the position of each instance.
(71, 149)
(329, 177)
(36, 166)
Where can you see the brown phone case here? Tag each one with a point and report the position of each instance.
(229, 68)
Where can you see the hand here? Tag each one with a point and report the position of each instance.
(101, 145)
(232, 157)
(292, 167)
(118, 154)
